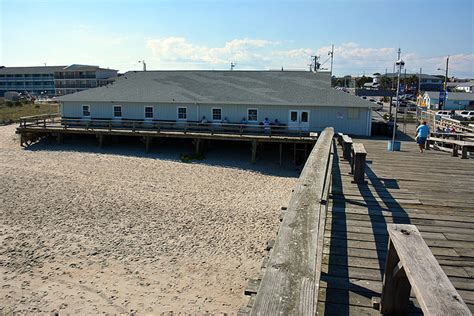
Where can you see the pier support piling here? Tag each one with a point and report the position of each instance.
(59, 138)
(147, 143)
(101, 140)
(254, 151)
(281, 153)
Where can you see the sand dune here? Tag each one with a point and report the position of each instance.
(118, 231)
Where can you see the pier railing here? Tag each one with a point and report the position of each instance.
(291, 280)
(53, 121)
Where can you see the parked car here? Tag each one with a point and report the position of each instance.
(442, 114)
(469, 115)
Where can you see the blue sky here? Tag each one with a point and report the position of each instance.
(254, 34)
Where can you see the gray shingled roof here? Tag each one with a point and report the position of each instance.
(30, 70)
(234, 87)
(458, 96)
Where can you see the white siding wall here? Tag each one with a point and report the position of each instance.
(320, 117)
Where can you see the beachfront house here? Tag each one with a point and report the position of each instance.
(293, 100)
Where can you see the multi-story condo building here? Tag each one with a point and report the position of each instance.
(53, 80)
(75, 78)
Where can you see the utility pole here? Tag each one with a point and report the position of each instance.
(332, 57)
(419, 81)
(446, 77)
(316, 63)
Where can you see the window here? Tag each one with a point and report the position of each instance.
(216, 114)
(117, 111)
(353, 113)
(182, 113)
(86, 111)
(252, 115)
(304, 117)
(293, 116)
(148, 112)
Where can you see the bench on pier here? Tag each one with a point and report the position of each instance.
(411, 265)
(465, 146)
(359, 155)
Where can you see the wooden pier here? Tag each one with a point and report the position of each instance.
(432, 190)
(335, 263)
(34, 128)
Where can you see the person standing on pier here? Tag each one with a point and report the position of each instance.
(422, 133)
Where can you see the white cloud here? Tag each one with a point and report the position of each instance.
(349, 58)
(179, 49)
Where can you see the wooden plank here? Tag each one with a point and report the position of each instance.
(435, 293)
(290, 282)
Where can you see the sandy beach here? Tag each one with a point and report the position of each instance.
(115, 230)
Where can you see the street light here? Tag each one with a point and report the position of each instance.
(399, 63)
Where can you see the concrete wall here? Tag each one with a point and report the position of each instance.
(347, 120)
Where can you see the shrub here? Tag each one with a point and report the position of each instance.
(190, 157)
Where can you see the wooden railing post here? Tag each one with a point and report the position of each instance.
(359, 155)
(410, 264)
(396, 287)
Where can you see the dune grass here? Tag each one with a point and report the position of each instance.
(12, 111)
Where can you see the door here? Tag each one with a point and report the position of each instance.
(298, 120)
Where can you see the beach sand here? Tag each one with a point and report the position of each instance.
(115, 230)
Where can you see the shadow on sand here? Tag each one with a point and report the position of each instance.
(219, 154)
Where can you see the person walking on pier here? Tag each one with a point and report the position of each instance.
(422, 133)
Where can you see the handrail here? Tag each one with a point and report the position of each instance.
(291, 280)
(54, 122)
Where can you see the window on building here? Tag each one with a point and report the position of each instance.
(353, 113)
(182, 113)
(304, 117)
(86, 111)
(252, 115)
(216, 114)
(117, 111)
(148, 112)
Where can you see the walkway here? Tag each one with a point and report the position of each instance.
(432, 191)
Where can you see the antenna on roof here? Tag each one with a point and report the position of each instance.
(144, 64)
(232, 65)
(44, 64)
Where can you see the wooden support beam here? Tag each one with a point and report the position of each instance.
(396, 294)
(101, 140)
(198, 145)
(464, 152)
(281, 153)
(254, 151)
(147, 143)
(59, 138)
(455, 150)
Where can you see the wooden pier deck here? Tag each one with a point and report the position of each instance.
(431, 190)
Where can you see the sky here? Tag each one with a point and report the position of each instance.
(257, 34)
